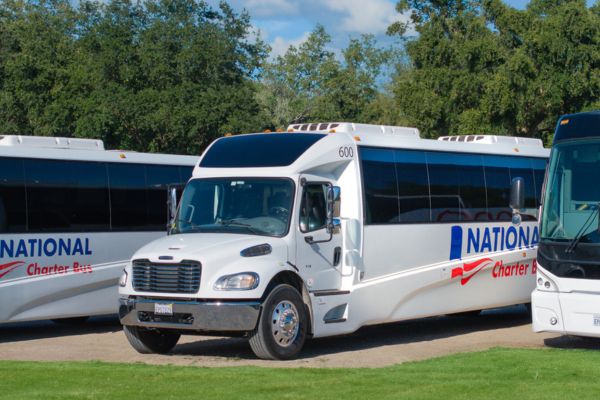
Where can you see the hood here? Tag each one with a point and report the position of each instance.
(205, 247)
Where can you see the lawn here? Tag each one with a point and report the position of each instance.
(513, 374)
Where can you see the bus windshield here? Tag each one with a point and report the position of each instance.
(572, 195)
(255, 206)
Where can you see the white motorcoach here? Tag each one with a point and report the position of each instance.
(71, 216)
(567, 296)
(333, 226)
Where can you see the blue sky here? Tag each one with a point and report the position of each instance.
(288, 22)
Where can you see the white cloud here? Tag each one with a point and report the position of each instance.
(365, 16)
(270, 8)
(279, 45)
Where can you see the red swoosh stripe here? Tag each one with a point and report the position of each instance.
(6, 268)
(475, 266)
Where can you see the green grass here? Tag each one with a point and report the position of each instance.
(513, 374)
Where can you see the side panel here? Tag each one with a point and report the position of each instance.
(409, 272)
(61, 275)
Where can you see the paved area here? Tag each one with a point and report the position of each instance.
(375, 346)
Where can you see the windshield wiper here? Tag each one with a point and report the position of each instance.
(229, 222)
(583, 228)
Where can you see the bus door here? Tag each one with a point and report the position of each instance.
(318, 249)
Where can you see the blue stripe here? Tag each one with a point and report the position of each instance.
(456, 242)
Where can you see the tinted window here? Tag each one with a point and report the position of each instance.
(12, 196)
(380, 183)
(471, 179)
(128, 196)
(259, 150)
(444, 186)
(159, 177)
(313, 212)
(413, 186)
(497, 178)
(66, 196)
(521, 167)
(539, 173)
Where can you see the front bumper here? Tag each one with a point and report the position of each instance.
(566, 313)
(240, 316)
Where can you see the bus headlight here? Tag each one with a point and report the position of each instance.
(241, 281)
(123, 279)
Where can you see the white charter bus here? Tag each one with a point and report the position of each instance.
(333, 226)
(71, 216)
(567, 295)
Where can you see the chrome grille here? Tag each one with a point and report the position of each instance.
(183, 277)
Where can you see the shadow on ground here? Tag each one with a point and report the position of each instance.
(21, 331)
(414, 331)
(573, 342)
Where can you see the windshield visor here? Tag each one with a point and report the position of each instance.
(573, 193)
(255, 206)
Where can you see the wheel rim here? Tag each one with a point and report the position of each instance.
(284, 323)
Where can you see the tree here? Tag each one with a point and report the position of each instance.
(485, 67)
(309, 83)
(158, 75)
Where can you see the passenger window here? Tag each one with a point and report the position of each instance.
(413, 186)
(128, 196)
(521, 167)
(381, 186)
(12, 196)
(472, 188)
(159, 178)
(445, 188)
(313, 212)
(66, 196)
(497, 179)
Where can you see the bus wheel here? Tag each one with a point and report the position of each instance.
(147, 341)
(282, 326)
(70, 321)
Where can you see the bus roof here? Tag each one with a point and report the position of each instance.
(405, 137)
(61, 148)
(578, 126)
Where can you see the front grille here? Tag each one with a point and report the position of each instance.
(183, 277)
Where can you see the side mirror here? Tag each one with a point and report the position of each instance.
(517, 198)
(171, 206)
(333, 207)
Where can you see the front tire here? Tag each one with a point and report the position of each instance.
(147, 341)
(282, 326)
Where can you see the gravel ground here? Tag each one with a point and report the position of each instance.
(102, 339)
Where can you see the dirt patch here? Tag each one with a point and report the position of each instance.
(375, 346)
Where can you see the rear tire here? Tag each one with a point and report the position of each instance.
(282, 325)
(147, 341)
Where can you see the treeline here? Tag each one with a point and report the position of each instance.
(171, 75)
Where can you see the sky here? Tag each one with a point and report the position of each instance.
(282, 23)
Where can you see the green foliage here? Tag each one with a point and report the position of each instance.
(159, 75)
(309, 83)
(484, 67)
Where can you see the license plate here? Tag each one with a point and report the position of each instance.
(163, 309)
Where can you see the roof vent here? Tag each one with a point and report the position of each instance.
(494, 139)
(51, 142)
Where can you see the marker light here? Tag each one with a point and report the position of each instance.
(241, 281)
(258, 250)
(123, 279)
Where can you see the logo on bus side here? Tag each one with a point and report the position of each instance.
(499, 270)
(28, 248)
(491, 239)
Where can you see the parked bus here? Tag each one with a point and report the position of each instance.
(333, 226)
(567, 295)
(71, 216)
